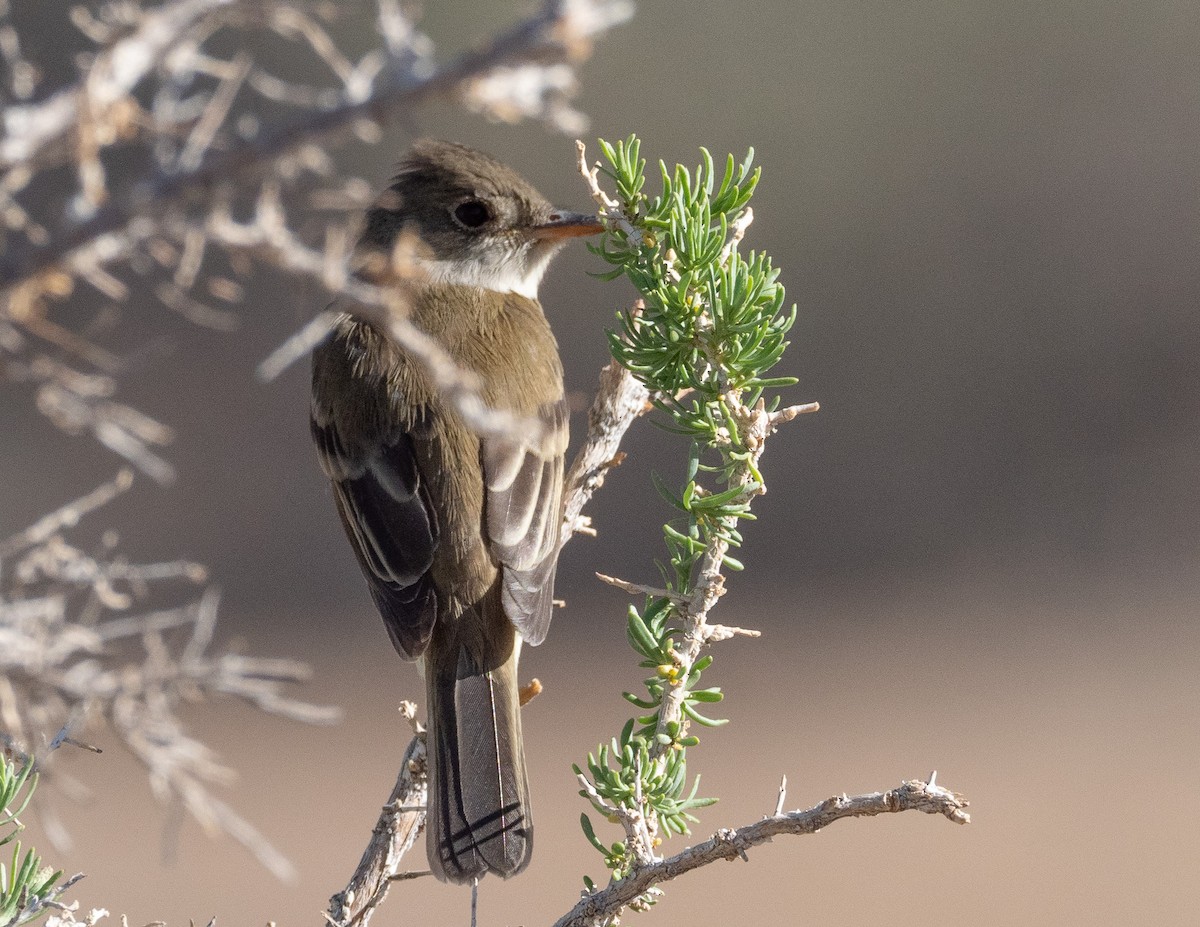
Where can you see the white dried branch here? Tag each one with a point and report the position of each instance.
(69, 400)
(394, 835)
(289, 21)
(619, 400)
(190, 258)
(195, 311)
(188, 131)
(610, 208)
(66, 517)
(527, 91)
(57, 563)
(297, 346)
(721, 632)
(784, 415)
(27, 130)
(639, 589)
(603, 907)
(218, 107)
(737, 231)
(30, 909)
(560, 33)
(60, 661)
(395, 27)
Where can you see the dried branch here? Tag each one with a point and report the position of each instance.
(591, 176)
(159, 182)
(602, 907)
(66, 517)
(65, 628)
(29, 130)
(394, 835)
(81, 403)
(619, 400)
(37, 906)
(560, 34)
(640, 589)
(165, 131)
(386, 307)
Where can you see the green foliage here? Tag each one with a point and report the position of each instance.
(26, 882)
(624, 772)
(12, 804)
(711, 326)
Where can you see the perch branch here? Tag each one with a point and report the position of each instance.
(602, 907)
(619, 400)
(394, 835)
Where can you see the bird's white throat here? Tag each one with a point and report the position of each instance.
(499, 270)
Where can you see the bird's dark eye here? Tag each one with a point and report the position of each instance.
(472, 213)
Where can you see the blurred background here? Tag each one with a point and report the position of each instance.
(979, 557)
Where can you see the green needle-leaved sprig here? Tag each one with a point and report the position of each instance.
(26, 882)
(709, 327)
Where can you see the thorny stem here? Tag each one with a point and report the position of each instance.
(602, 908)
(753, 427)
(710, 332)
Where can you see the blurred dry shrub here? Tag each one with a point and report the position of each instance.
(184, 145)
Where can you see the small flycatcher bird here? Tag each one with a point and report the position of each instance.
(457, 533)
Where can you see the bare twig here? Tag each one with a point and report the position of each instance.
(721, 632)
(619, 400)
(202, 135)
(78, 402)
(28, 130)
(393, 836)
(29, 912)
(386, 307)
(66, 517)
(788, 413)
(737, 231)
(609, 207)
(214, 114)
(561, 31)
(64, 615)
(159, 129)
(602, 907)
(297, 346)
(639, 589)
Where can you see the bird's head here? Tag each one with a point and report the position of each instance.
(476, 221)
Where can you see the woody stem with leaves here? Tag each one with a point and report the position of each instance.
(710, 326)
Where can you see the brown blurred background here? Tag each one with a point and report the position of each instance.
(980, 556)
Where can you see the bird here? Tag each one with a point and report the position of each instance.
(456, 532)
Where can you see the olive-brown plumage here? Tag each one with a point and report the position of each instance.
(457, 533)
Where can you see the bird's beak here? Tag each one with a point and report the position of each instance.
(567, 225)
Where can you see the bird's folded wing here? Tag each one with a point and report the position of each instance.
(384, 506)
(523, 515)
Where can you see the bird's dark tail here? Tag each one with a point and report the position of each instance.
(478, 819)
